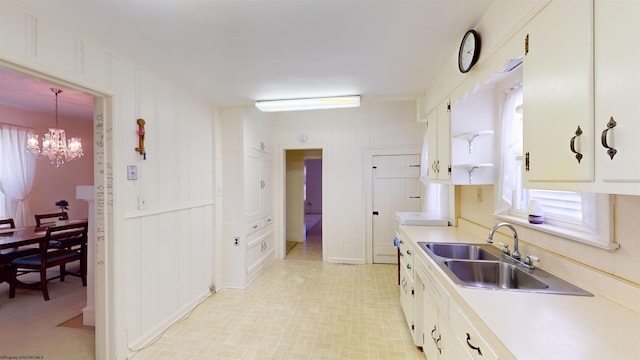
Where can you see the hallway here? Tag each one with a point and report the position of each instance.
(297, 310)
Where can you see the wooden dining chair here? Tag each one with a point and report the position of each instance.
(48, 218)
(50, 257)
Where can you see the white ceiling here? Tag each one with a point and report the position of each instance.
(237, 51)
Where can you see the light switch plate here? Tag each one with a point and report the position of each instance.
(132, 172)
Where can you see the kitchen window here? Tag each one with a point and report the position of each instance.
(583, 217)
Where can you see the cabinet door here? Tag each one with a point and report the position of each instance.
(432, 145)
(252, 185)
(266, 200)
(444, 141)
(558, 94)
(406, 296)
(617, 52)
(431, 299)
(439, 140)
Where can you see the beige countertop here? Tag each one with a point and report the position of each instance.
(541, 326)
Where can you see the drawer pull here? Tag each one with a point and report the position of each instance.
(476, 348)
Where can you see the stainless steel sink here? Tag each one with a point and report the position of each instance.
(461, 251)
(482, 266)
(492, 274)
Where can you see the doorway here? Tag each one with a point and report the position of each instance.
(100, 118)
(303, 204)
(29, 100)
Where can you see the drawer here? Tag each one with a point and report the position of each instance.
(469, 337)
(255, 226)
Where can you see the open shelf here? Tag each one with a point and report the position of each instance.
(471, 167)
(470, 136)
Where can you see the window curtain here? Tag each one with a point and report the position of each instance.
(17, 173)
(510, 149)
(435, 201)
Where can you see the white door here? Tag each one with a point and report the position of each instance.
(396, 187)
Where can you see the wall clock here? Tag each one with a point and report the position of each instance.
(469, 51)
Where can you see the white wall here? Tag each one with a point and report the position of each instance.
(345, 135)
(153, 264)
(56, 183)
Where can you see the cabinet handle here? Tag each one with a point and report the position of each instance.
(476, 348)
(526, 162)
(408, 252)
(572, 144)
(438, 344)
(610, 125)
(432, 333)
(409, 266)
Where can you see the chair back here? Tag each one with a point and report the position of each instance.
(66, 235)
(5, 222)
(40, 217)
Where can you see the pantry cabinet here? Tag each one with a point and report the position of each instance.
(439, 143)
(247, 217)
(617, 71)
(558, 95)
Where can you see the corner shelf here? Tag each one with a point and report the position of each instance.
(470, 136)
(471, 167)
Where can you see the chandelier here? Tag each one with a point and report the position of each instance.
(54, 144)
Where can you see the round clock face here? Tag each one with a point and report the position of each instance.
(469, 51)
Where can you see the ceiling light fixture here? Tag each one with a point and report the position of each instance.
(54, 144)
(335, 102)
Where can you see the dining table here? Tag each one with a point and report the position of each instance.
(14, 238)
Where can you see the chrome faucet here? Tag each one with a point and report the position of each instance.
(515, 254)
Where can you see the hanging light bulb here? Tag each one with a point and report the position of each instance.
(54, 144)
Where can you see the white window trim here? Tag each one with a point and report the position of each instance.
(601, 238)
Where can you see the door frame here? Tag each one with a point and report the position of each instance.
(103, 99)
(280, 193)
(368, 187)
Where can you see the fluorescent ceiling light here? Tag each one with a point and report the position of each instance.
(309, 104)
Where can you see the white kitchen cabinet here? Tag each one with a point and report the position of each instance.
(443, 327)
(257, 131)
(247, 217)
(617, 56)
(407, 287)
(257, 200)
(439, 143)
(260, 251)
(558, 95)
(439, 341)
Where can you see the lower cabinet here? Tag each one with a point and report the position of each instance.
(445, 330)
(260, 251)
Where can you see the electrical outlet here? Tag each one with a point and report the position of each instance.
(236, 241)
(479, 194)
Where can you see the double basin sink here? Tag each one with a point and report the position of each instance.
(483, 266)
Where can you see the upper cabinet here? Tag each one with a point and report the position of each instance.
(617, 70)
(257, 131)
(439, 142)
(581, 89)
(558, 95)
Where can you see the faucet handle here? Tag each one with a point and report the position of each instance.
(505, 248)
(530, 259)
